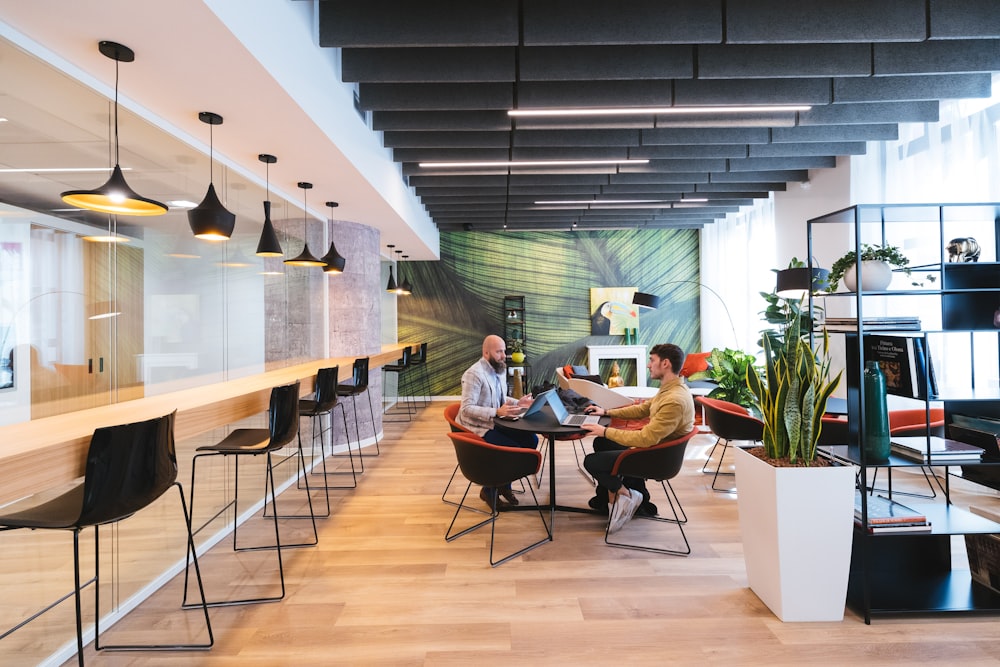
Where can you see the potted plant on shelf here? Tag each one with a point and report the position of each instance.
(515, 347)
(796, 513)
(876, 269)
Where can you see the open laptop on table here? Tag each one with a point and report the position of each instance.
(559, 410)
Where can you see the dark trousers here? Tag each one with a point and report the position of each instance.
(602, 461)
(503, 437)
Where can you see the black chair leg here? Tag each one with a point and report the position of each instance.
(353, 472)
(679, 518)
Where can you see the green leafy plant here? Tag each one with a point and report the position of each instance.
(729, 368)
(515, 345)
(891, 255)
(792, 394)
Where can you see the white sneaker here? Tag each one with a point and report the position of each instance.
(623, 509)
(636, 497)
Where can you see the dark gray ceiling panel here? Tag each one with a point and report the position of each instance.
(708, 151)
(431, 139)
(425, 154)
(427, 65)
(458, 181)
(661, 178)
(596, 63)
(779, 163)
(673, 166)
(435, 96)
(442, 191)
(451, 121)
(538, 95)
(964, 19)
(826, 133)
(926, 87)
(778, 176)
(811, 148)
(959, 56)
(763, 61)
(427, 23)
(813, 21)
(884, 112)
(570, 22)
(776, 186)
(576, 138)
(694, 136)
(752, 91)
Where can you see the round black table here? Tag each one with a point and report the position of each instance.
(544, 423)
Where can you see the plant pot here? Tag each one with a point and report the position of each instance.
(797, 527)
(517, 357)
(876, 276)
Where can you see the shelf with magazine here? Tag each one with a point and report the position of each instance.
(935, 332)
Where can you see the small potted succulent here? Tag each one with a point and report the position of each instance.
(515, 348)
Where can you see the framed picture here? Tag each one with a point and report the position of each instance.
(611, 311)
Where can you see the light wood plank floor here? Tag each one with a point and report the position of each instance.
(384, 588)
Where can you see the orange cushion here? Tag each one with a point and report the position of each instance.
(568, 371)
(694, 363)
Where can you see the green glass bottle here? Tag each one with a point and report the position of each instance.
(876, 435)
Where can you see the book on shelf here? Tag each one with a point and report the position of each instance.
(885, 512)
(850, 324)
(878, 529)
(935, 449)
(905, 363)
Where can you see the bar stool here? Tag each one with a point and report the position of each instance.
(419, 360)
(358, 384)
(323, 402)
(401, 369)
(127, 468)
(283, 427)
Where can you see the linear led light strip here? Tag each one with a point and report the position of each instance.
(617, 201)
(645, 111)
(528, 163)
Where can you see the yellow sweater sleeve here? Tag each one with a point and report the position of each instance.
(670, 412)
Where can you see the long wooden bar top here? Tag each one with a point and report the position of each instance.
(42, 453)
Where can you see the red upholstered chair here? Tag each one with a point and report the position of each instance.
(661, 462)
(730, 423)
(494, 466)
(451, 416)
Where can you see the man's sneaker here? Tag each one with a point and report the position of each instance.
(623, 509)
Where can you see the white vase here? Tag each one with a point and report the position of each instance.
(875, 276)
(797, 527)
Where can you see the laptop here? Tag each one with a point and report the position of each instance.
(559, 410)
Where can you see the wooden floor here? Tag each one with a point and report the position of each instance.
(384, 588)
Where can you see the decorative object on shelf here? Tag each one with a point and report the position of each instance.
(210, 220)
(616, 379)
(515, 347)
(115, 196)
(875, 269)
(962, 249)
(334, 261)
(517, 390)
(268, 246)
(304, 258)
(876, 435)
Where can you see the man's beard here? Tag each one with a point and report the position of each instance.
(498, 366)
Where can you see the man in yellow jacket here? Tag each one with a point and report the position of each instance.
(671, 415)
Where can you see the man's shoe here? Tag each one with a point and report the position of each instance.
(489, 496)
(599, 503)
(647, 509)
(632, 507)
(508, 495)
(621, 511)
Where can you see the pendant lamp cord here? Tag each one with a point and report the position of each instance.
(117, 64)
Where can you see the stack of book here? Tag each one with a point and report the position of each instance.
(888, 516)
(935, 450)
(850, 324)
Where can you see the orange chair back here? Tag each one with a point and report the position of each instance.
(660, 462)
(914, 421)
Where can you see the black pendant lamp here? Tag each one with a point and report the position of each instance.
(390, 286)
(305, 258)
(268, 245)
(405, 288)
(115, 196)
(210, 220)
(335, 262)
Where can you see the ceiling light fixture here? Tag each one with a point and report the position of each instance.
(529, 163)
(390, 286)
(335, 262)
(268, 246)
(210, 220)
(115, 196)
(404, 285)
(645, 111)
(305, 258)
(106, 238)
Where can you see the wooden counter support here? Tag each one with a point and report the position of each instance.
(43, 453)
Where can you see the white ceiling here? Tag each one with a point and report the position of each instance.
(254, 62)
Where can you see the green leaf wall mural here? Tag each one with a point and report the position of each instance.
(457, 301)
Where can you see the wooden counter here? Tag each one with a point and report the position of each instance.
(38, 454)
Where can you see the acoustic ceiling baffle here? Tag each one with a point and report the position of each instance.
(210, 220)
(268, 246)
(115, 196)
(305, 258)
(335, 262)
(390, 286)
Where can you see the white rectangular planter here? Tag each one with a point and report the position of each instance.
(797, 526)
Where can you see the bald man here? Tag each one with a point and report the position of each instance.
(484, 396)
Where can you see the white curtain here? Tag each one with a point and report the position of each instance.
(737, 255)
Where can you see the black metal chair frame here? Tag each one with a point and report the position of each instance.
(357, 385)
(283, 428)
(325, 400)
(418, 361)
(727, 426)
(492, 465)
(661, 463)
(402, 369)
(127, 468)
